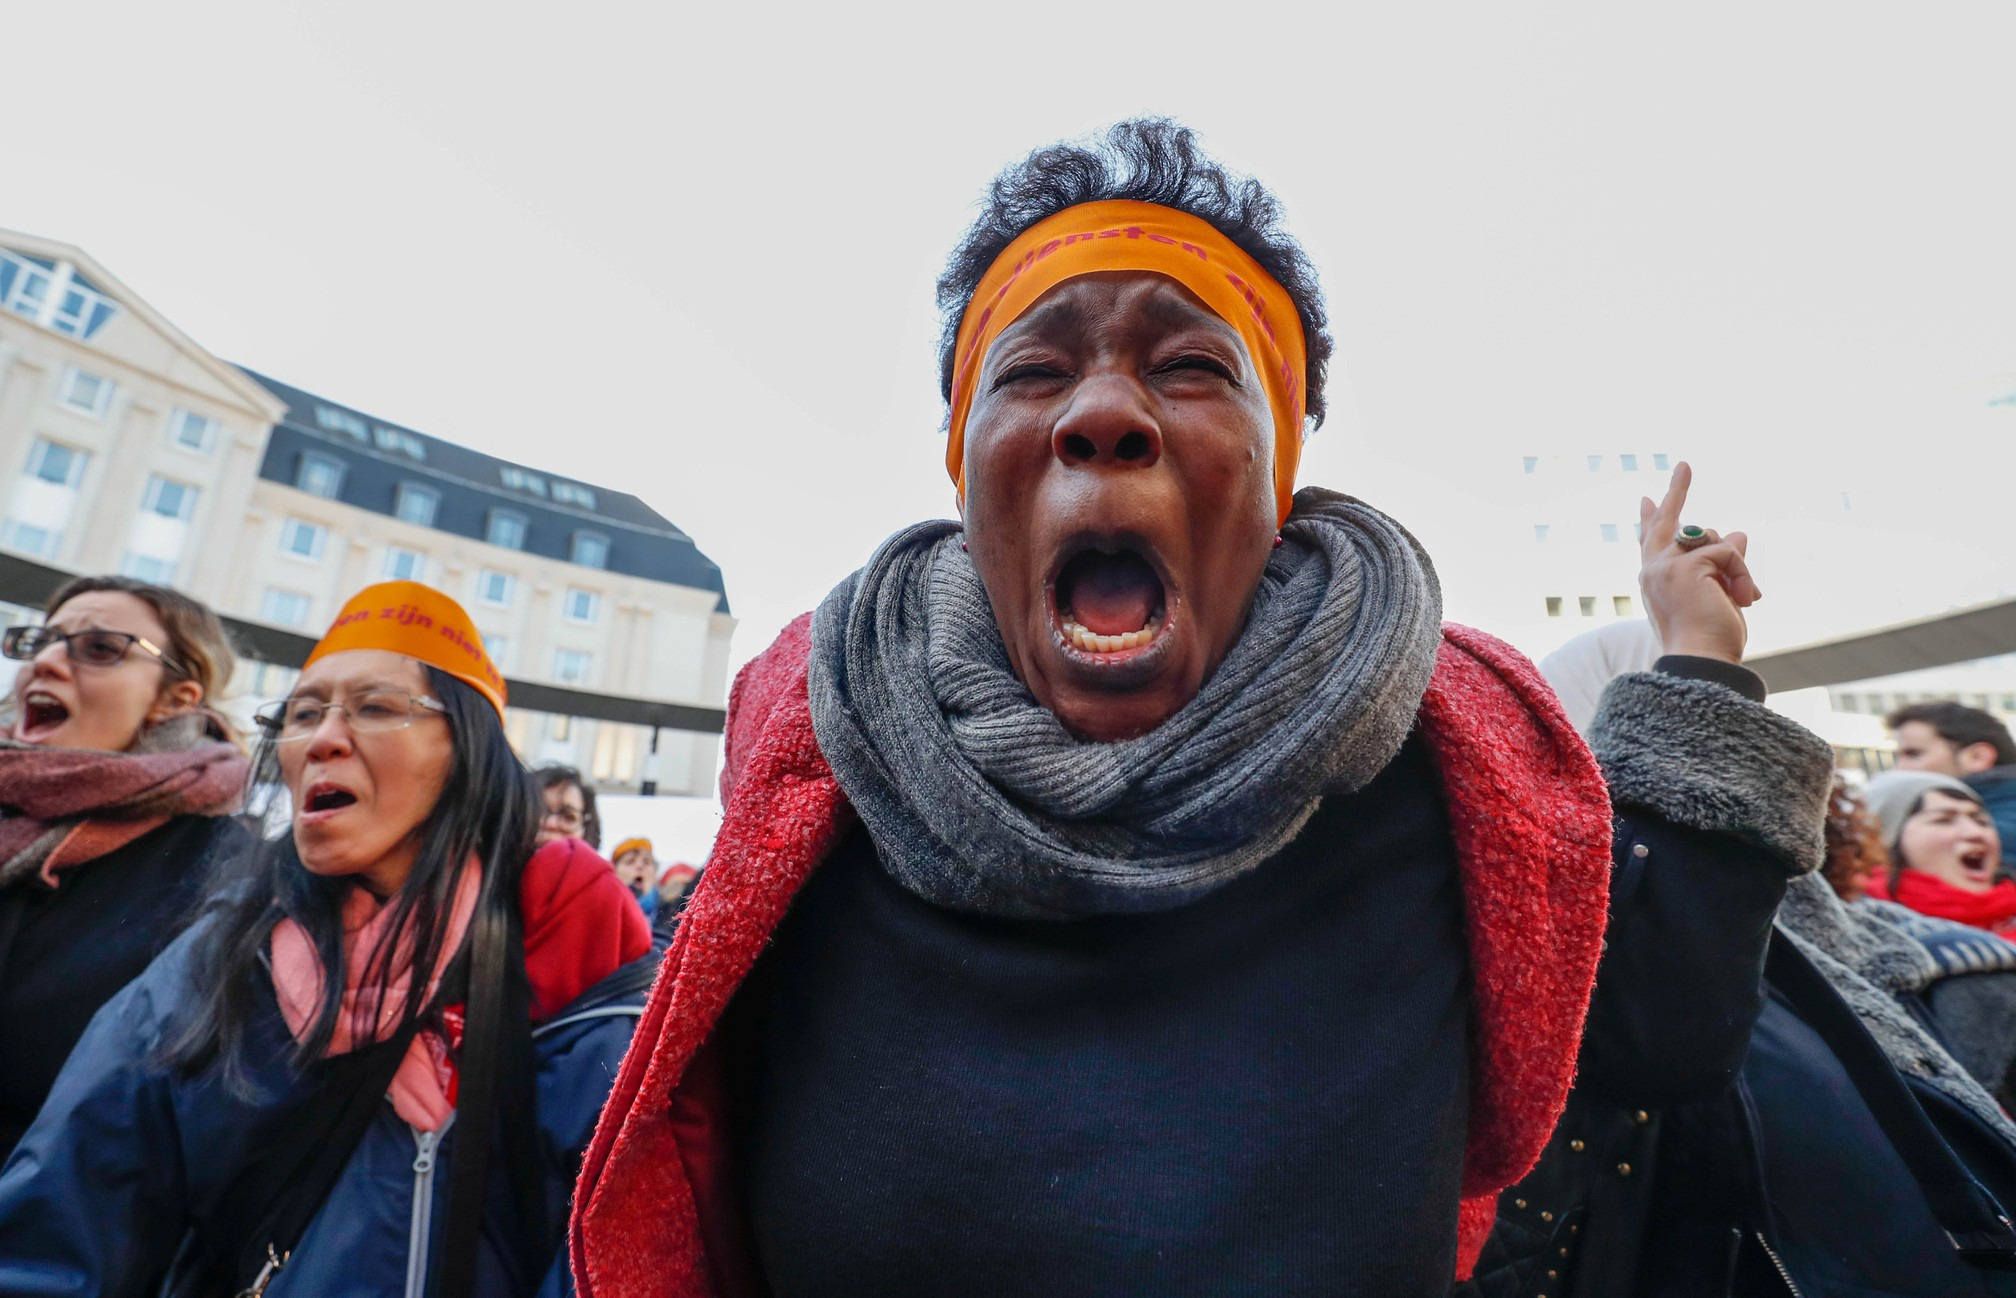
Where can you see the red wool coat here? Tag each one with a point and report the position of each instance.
(654, 1211)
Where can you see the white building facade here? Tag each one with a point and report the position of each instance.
(125, 447)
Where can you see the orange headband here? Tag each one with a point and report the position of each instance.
(420, 622)
(1125, 235)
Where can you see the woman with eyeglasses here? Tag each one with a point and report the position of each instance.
(116, 788)
(371, 1066)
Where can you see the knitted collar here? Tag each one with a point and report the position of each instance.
(977, 797)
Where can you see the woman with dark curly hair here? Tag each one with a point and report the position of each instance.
(1135, 887)
(1855, 853)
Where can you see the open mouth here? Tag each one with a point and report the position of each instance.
(41, 713)
(1977, 864)
(1111, 603)
(327, 797)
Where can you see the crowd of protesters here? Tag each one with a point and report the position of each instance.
(1133, 887)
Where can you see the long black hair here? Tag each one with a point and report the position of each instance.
(487, 811)
(1149, 160)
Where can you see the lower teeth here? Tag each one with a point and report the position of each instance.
(1093, 642)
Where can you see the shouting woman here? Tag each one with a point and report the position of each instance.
(371, 1067)
(1136, 889)
(117, 784)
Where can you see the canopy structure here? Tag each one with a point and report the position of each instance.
(1963, 635)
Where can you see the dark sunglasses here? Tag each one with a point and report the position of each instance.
(92, 648)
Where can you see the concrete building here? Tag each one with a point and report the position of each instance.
(126, 447)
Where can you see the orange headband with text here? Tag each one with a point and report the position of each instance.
(1125, 235)
(408, 618)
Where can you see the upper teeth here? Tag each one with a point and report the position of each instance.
(1093, 642)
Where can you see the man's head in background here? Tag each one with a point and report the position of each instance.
(1949, 738)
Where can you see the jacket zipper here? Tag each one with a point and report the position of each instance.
(425, 1145)
(1783, 1274)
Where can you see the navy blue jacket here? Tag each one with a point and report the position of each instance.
(127, 1156)
(1996, 788)
(1715, 1145)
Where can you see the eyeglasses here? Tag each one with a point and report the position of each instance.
(292, 720)
(92, 648)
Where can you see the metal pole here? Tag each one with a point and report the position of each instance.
(649, 787)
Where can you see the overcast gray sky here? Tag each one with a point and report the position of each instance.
(691, 254)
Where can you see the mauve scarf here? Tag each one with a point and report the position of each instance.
(978, 799)
(62, 807)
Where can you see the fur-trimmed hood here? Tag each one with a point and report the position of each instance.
(1528, 813)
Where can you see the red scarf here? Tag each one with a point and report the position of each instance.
(61, 807)
(1928, 894)
(581, 925)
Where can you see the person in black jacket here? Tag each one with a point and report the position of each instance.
(1763, 1105)
(117, 786)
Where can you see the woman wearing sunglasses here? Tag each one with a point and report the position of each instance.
(117, 786)
(371, 1067)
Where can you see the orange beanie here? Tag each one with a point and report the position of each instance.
(420, 622)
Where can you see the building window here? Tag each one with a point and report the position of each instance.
(169, 498)
(1609, 531)
(522, 480)
(1621, 605)
(416, 504)
(561, 730)
(86, 392)
(506, 529)
(53, 294)
(404, 565)
(145, 567)
(573, 493)
(286, 607)
(497, 647)
(1540, 531)
(24, 283)
(319, 475)
(1587, 603)
(302, 540)
(1553, 606)
(396, 442)
(493, 587)
(1595, 463)
(192, 431)
(57, 463)
(582, 605)
(28, 539)
(1660, 462)
(591, 550)
(80, 312)
(571, 666)
(1532, 463)
(1628, 463)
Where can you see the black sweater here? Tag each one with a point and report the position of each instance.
(64, 952)
(1263, 1092)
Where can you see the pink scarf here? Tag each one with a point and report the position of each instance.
(420, 1090)
(62, 807)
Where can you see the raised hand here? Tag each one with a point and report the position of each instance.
(1695, 597)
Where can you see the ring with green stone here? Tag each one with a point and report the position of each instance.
(1691, 537)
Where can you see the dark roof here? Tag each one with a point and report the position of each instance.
(378, 456)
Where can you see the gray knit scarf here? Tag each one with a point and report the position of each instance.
(1871, 960)
(979, 800)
